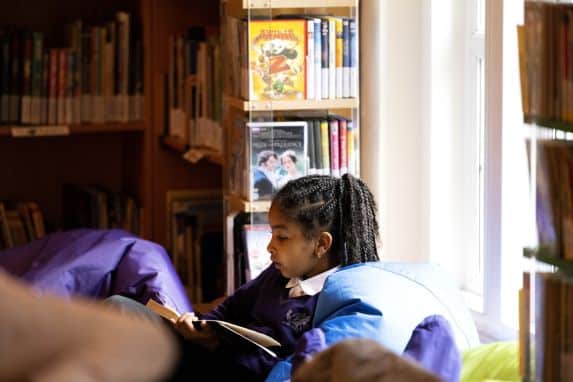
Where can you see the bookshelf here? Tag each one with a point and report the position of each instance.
(125, 156)
(296, 105)
(546, 317)
(302, 4)
(270, 96)
(63, 130)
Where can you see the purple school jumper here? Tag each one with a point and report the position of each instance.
(264, 305)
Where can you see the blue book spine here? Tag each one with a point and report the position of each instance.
(345, 59)
(353, 59)
(324, 60)
(317, 59)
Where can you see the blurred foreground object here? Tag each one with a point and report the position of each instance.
(48, 339)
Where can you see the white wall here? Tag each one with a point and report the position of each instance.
(392, 107)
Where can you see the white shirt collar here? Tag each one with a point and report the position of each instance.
(310, 286)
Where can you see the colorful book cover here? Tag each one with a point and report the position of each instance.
(278, 154)
(277, 59)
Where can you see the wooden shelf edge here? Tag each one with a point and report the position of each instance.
(550, 124)
(327, 104)
(236, 203)
(175, 143)
(270, 4)
(545, 255)
(75, 129)
(192, 155)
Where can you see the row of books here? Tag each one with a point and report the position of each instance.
(196, 244)
(266, 155)
(20, 223)
(553, 327)
(195, 89)
(292, 58)
(546, 51)
(87, 206)
(96, 77)
(554, 193)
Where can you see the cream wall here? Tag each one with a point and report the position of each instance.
(392, 109)
(413, 146)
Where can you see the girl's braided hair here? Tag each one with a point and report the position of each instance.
(343, 206)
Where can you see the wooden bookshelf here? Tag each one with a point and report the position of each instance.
(327, 104)
(238, 204)
(59, 130)
(266, 4)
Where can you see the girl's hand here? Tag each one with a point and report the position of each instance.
(197, 331)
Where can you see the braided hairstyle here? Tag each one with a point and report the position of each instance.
(343, 206)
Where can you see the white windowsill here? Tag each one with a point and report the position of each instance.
(489, 329)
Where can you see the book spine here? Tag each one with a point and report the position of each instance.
(311, 148)
(339, 56)
(310, 72)
(6, 70)
(36, 78)
(342, 132)
(124, 60)
(86, 68)
(99, 110)
(331, 58)
(317, 60)
(356, 128)
(16, 79)
(26, 90)
(62, 82)
(71, 67)
(317, 147)
(53, 91)
(324, 57)
(345, 59)
(45, 88)
(334, 149)
(353, 59)
(350, 150)
(324, 138)
(109, 73)
(78, 49)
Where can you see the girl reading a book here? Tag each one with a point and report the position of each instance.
(319, 224)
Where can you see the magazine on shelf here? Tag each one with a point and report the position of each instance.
(278, 153)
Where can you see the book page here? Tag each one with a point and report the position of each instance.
(258, 339)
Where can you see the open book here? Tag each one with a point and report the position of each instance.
(235, 334)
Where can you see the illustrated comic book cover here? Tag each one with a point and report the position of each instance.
(277, 59)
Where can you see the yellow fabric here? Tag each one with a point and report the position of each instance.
(495, 362)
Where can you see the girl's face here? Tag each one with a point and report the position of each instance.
(292, 253)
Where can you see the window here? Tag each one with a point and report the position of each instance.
(478, 171)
